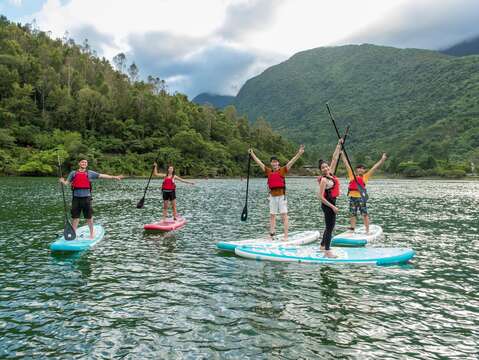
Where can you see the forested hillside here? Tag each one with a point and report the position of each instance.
(57, 97)
(422, 107)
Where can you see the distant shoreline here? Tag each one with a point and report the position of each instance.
(378, 177)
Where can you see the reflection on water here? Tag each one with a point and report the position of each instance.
(139, 294)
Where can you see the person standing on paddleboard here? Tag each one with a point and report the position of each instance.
(328, 192)
(168, 189)
(277, 189)
(80, 181)
(356, 201)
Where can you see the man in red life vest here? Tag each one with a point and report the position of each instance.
(80, 181)
(277, 189)
(356, 202)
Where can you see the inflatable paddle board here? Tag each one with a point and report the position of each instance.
(82, 240)
(294, 238)
(358, 237)
(167, 225)
(312, 254)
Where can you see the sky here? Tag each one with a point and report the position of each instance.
(216, 45)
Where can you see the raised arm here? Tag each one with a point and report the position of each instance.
(378, 164)
(155, 171)
(183, 180)
(256, 160)
(337, 152)
(322, 188)
(296, 157)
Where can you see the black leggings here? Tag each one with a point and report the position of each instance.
(330, 221)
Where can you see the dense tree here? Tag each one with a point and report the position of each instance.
(58, 98)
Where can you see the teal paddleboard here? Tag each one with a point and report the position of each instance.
(313, 254)
(82, 240)
(359, 237)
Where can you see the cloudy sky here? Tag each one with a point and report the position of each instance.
(216, 45)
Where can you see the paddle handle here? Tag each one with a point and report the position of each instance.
(345, 153)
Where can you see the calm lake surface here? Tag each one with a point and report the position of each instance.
(143, 295)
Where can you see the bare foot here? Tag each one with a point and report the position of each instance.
(329, 254)
(92, 236)
(322, 248)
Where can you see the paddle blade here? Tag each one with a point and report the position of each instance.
(244, 214)
(69, 232)
(140, 203)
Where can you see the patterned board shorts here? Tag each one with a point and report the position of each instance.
(356, 204)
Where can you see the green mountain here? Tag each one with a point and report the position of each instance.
(59, 98)
(419, 106)
(464, 48)
(217, 101)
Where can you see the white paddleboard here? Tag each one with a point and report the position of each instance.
(294, 238)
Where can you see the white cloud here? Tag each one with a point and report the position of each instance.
(15, 2)
(178, 37)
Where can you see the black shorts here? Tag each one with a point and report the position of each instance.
(81, 205)
(169, 195)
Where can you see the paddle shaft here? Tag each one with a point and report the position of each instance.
(247, 180)
(151, 174)
(63, 190)
(345, 153)
(244, 214)
(344, 141)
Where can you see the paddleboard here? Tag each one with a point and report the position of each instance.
(82, 240)
(358, 237)
(312, 254)
(167, 225)
(294, 238)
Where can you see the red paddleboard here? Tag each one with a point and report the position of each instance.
(166, 225)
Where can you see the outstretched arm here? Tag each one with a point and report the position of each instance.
(256, 160)
(337, 152)
(378, 164)
(155, 171)
(105, 176)
(183, 180)
(296, 157)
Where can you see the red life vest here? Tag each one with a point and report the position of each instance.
(80, 180)
(168, 184)
(276, 181)
(353, 186)
(334, 192)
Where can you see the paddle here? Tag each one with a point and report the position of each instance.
(344, 141)
(142, 200)
(362, 190)
(244, 214)
(68, 231)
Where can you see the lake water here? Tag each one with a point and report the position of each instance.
(140, 295)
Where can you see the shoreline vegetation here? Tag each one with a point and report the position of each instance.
(293, 175)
